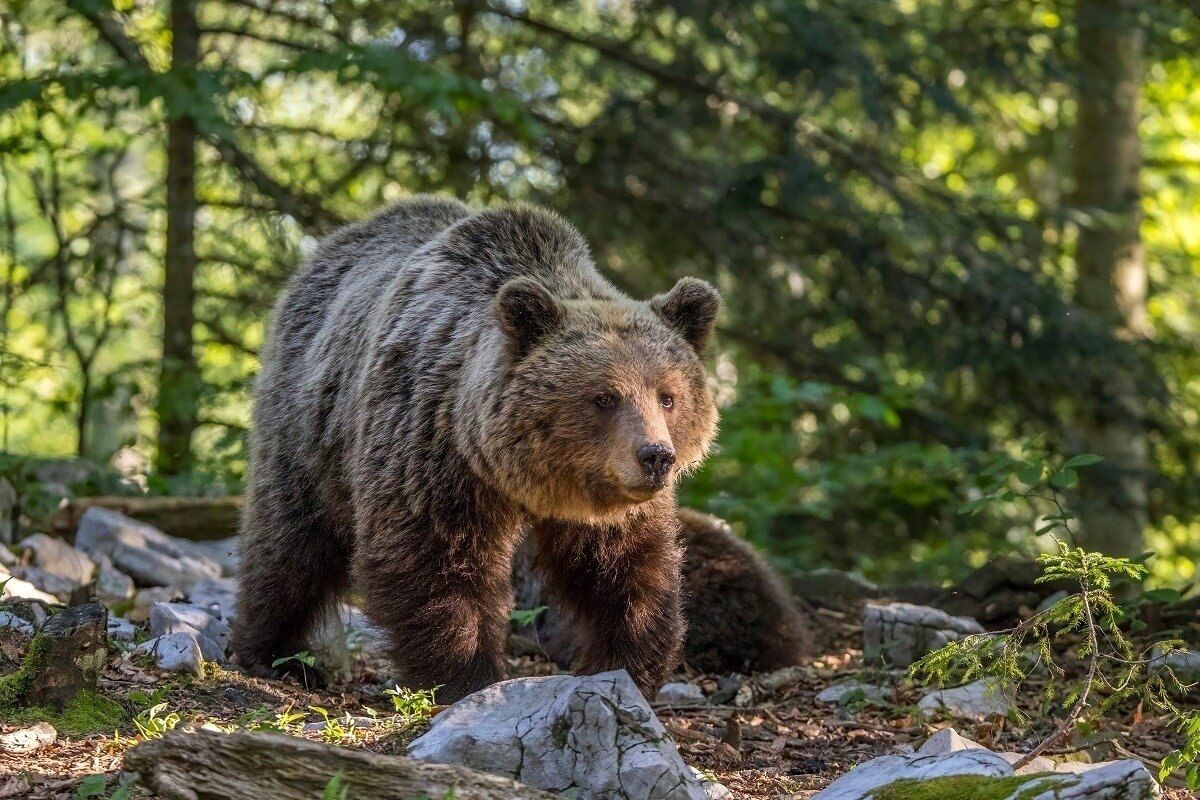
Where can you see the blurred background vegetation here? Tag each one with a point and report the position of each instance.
(946, 230)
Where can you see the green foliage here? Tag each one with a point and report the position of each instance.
(86, 712)
(338, 727)
(97, 786)
(264, 719)
(156, 721)
(522, 617)
(413, 706)
(336, 789)
(1187, 756)
(303, 658)
(1086, 626)
(889, 219)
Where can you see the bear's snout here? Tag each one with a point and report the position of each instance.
(656, 461)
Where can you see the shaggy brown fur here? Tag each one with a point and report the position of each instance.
(435, 379)
(740, 616)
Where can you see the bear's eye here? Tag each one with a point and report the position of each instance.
(605, 400)
(666, 400)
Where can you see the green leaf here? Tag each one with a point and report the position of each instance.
(523, 617)
(91, 786)
(1163, 595)
(1082, 460)
(1065, 478)
(1030, 475)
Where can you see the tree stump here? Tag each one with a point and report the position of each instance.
(64, 659)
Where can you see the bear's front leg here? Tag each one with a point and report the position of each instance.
(442, 593)
(620, 585)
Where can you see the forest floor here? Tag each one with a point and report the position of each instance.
(785, 746)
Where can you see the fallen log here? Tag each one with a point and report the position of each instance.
(195, 518)
(207, 765)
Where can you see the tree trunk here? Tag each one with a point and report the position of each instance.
(179, 380)
(85, 408)
(1112, 265)
(270, 766)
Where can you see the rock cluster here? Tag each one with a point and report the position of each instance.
(136, 569)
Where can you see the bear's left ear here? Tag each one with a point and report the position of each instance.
(526, 311)
(691, 308)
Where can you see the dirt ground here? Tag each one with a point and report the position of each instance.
(778, 745)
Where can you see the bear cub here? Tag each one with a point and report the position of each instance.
(434, 381)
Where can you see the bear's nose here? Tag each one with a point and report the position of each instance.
(656, 460)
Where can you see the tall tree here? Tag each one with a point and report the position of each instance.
(179, 378)
(1112, 262)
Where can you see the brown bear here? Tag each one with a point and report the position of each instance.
(740, 616)
(436, 379)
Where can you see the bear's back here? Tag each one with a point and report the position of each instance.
(355, 263)
(320, 332)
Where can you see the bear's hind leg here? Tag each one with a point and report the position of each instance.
(291, 567)
(620, 586)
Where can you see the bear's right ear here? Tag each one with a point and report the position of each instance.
(527, 311)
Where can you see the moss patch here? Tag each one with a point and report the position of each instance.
(87, 712)
(14, 686)
(976, 787)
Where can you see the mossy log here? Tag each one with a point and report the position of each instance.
(195, 518)
(207, 765)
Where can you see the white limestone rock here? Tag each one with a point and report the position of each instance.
(16, 588)
(61, 588)
(112, 585)
(843, 689)
(146, 554)
(1115, 780)
(948, 740)
(58, 557)
(858, 783)
(223, 551)
(28, 740)
(145, 599)
(12, 621)
(122, 630)
(178, 652)
(1183, 664)
(1038, 764)
(591, 734)
(212, 634)
(216, 595)
(974, 700)
(897, 634)
(680, 693)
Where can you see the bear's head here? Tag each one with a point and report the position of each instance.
(606, 401)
